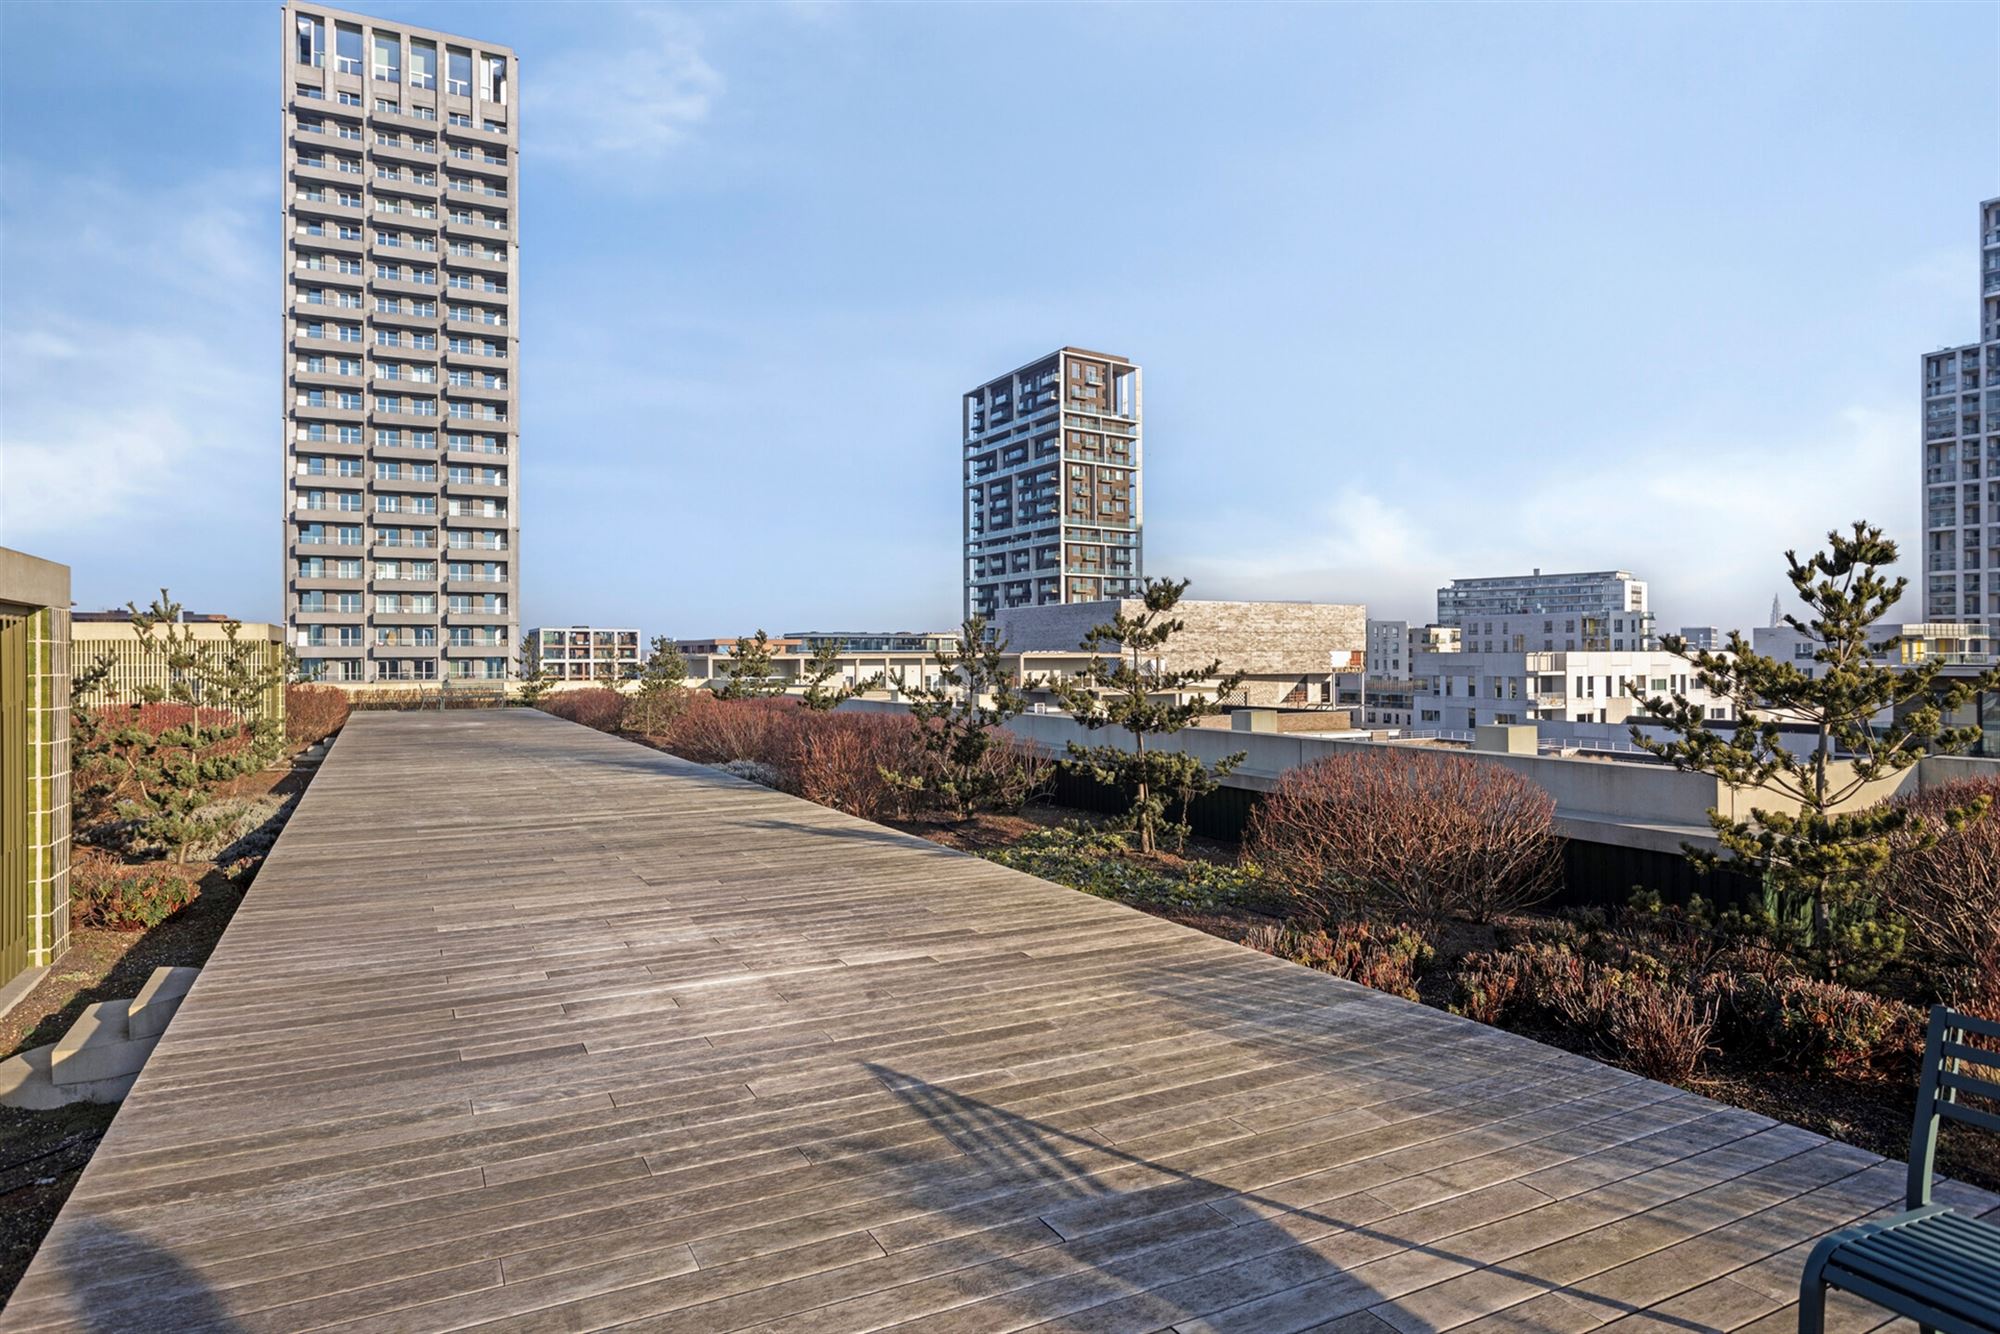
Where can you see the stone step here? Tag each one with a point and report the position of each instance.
(98, 1046)
(25, 1083)
(157, 1000)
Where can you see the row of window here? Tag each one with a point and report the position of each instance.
(400, 636)
(315, 533)
(394, 503)
(387, 50)
(415, 111)
(493, 252)
(410, 669)
(456, 571)
(320, 465)
(396, 437)
(318, 364)
(348, 266)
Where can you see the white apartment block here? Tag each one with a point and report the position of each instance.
(1957, 644)
(1594, 611)
(1053, 504)
(584, 652)
(1961, 457)
(1706, 637)
(1457, 692)
(400, 401)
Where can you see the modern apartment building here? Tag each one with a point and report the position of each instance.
(584, 652)
(1705, 637)
(1961, 457)
(1388, 653)
(400, 400)
(1600, 611)
(1053, 503)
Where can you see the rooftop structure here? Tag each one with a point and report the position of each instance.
(1053, 458)
(135, 668)
(401, 496)
(1458, 692)
(1961, 457)
(35, 659)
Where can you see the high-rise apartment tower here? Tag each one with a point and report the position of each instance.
(400, 354)
(1052, 484)
(1962, 457)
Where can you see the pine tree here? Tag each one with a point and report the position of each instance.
(1133, 691)
(961, 714)
(165, 773)
(821, 668)
(1818, 852)
(662, 689)
(534, 679)
(749, 672)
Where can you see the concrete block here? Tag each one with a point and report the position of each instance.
(1253, 720)
(1505, 738)
(97, 1046)
(157, 1000)
(25, 1083)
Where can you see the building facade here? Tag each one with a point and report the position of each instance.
(1961, 457)
(1288, 652)
(1705, 637)
(584, 652)
(1598, 611)
(1458, 692)
(1388, 653)
(400, 393)
(1053, 456)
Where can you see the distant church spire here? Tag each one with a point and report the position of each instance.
(1776, 617)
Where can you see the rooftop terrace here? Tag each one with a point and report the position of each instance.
(526, 1027)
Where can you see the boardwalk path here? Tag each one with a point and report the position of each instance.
(528, 1027)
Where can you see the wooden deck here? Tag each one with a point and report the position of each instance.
(527, 1027)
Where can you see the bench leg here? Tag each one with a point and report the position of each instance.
(1812, 1290)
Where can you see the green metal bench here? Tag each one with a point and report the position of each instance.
(1939, 1267)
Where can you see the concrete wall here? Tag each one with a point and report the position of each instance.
(1651, 806)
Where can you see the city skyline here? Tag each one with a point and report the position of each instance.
(756, 310)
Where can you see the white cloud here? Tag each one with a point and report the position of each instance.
(135, 377)
(1704, 520)
(635, 101)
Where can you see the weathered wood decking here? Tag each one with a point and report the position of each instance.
(527, 1027)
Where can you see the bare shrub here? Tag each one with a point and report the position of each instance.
(1410, 833)
(313, 713)
(844, 760)
(594, 706)
(1660, 1031)
(715, 731)
(1948, 892)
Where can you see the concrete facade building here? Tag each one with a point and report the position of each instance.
(1706, 637)
(1388, 652)
(1601, 610)
(1961, 457)
(400, 338)
(584, 652)
(1053, 503)
(1289, 652)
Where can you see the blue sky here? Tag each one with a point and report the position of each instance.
(1420, 292)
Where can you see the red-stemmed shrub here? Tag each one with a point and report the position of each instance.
(1407, 833)
(842, 760)
(1383, 956)
(593, 706)
(715, 731)
(313, 713)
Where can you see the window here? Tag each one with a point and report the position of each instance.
(347, 54)
(388, 57)
(311, 43)
(423, 64)
(458, 77)
(347, 99)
